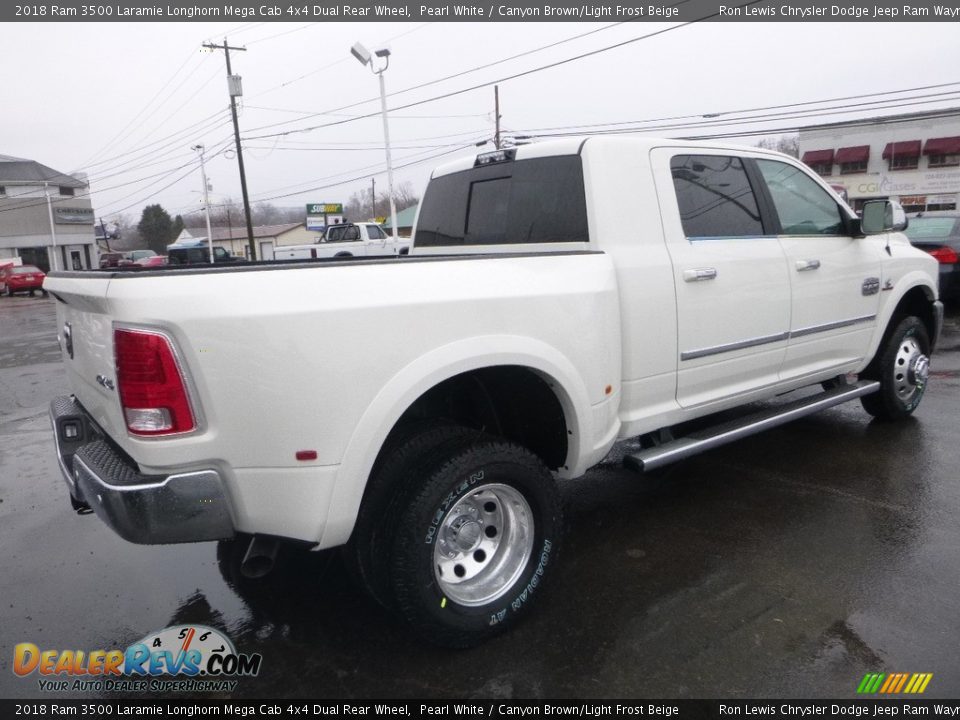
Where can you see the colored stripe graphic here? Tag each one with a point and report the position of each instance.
(894, 683)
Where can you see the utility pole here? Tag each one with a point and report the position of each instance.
(106, 240)
(233, 84)
(496, 115)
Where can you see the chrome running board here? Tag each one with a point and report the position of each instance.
(698, 442)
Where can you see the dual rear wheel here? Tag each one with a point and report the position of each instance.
(457, 532)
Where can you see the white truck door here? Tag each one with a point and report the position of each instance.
(730, 275)
(380, 243)
(835, 278)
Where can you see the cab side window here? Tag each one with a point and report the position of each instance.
(715, 197)
(375, 232)
(803, 206)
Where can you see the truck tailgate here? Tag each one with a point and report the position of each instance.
(85, 335)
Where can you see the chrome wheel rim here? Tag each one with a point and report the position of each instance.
(484, 542)
(910, 369)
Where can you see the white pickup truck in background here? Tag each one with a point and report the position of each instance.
(347, 240)
(559, 297)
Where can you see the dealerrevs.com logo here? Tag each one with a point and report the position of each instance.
(181, 658)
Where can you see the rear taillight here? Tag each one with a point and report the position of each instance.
(153, 393)
(945, 255)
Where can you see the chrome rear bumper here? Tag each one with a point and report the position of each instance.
(181, 507)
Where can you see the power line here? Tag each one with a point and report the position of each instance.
(443, 79)
(576, 130)
(843, 99)
(119, 136)
(514, 76)
(335, 63)
(362, 177)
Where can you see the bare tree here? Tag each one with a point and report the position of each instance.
(358, 207)
(263, 213)
(787, 144)
(405, 196)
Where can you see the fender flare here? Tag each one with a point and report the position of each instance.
(913, 279)
(428, 371)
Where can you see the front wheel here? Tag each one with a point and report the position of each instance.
(475, 542)
(901, 365)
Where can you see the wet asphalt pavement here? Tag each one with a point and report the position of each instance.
(785, 565)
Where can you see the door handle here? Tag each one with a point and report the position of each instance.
(805, 265)
(699, 274)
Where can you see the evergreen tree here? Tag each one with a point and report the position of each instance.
(156, 228)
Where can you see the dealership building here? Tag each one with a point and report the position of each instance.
(46, 218)
(913, 158)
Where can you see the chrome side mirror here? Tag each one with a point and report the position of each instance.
(880, 216)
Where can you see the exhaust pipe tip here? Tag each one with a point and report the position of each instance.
(260, 557)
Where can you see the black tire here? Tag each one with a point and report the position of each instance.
(475, 542)
(409, 450)
(901, 366)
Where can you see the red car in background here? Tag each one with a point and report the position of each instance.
(21, 278)
(152, 261)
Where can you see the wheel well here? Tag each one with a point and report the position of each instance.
(918, 301)
(508, 401)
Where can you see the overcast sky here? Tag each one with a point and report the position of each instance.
(125, 101)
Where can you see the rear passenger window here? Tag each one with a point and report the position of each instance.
(540, 200)
(715, 197)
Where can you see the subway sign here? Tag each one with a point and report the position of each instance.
(324, 208)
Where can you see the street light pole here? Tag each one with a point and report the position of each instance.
(365, 58)
(54, 265)
(206, 200)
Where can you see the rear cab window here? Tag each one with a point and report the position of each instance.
(515, 203)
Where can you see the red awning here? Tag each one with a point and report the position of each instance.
(942, 146)
(817, 157)
(907, 148)
(857, 153)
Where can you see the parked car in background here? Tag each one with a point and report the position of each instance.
(135, 256)
(938, 233)
(196, 252)
(21, 278)
(112, 259)
(152, 261)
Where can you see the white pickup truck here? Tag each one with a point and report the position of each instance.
(347, 240)
(559, 297)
